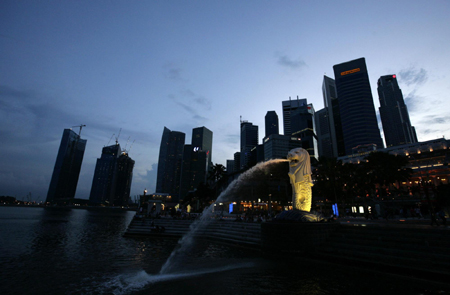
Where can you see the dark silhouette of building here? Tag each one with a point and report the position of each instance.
(331, 140)
(202, 138)
(125, 167)
(169, 163)
(63, 184)
(324, 142)
(237, 161)
(289, 106)
(277, 146)
(194, 169)
(113, 174)
(105, 176)
(249, 139)
(271, 123)
(394, 113)
(196, 160)
(357, 111)
(303, 126)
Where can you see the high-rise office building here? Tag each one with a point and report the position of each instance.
(277, 146)
(63, 184)
(290, 106)
(196, 160)
(113, 174)
(333, 116)
(271, 123)
(125, 167)
(202, 138)
(249, 139)
(357, 111)
(324, 143)
(394, 113)
(237, 161)
(169, 163)
(105, 176)
(303, 126)
(230, 166)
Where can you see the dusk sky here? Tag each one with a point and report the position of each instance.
(142, 65)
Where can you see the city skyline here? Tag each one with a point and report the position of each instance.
(143, 66)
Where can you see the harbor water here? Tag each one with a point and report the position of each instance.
(82, 251)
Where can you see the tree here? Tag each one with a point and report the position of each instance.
(383, 170)
(327, 179)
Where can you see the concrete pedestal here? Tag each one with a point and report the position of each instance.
(294, 237)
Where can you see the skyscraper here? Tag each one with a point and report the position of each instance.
(333, 116)
(394, 113)
(63, 184)
(277, 146)
(169, 163)
(325, 146)
(288, 107)
(271, 123)
(196, 160)
(202, 138)
(249, 139)
(125, 167)
(357, 111)
(105, 176)
(303, 126)
(112, 177)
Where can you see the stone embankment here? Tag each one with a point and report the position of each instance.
(239, 233)
(406, 248)
(417, 250)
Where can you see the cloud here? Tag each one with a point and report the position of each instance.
(202, 101)
(192, 103)
(412, 101)
(173, 72)
(433, 119)
(413, 76)
(286, 61)
(148, 180)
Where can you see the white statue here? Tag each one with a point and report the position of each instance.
(300, 176)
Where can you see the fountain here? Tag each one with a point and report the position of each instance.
(186, 242)
(298, 230)
(289, 228)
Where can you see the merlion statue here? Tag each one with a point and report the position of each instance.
(300, 176)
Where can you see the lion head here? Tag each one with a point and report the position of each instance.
(299, 163)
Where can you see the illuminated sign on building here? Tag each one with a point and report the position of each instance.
(350, 71)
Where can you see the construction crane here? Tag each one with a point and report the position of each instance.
(110, 139)
(125, 149)
(117, 138)
(80, 126)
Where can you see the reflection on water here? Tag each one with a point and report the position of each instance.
(50, 251)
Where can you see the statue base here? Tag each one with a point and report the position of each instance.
(299, 216)
(295, 232)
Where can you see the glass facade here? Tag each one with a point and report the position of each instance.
(169, 163)
(63, 184)
(394, 113)
(356, 108)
